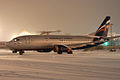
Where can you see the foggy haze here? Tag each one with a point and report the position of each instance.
(70, 16)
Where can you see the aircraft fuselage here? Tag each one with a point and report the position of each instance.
(39, 42)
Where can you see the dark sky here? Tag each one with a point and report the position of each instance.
(71, 16)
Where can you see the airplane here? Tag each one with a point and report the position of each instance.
(60, 43)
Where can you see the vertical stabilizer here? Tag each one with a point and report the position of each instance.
(103, 29)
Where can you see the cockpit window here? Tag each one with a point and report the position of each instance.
(15, 40)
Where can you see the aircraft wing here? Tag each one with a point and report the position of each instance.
(79, 45)
(85, 44)
(92, 36)
(92, 43)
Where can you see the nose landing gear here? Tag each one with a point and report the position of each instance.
(20, 51)
(14, 51)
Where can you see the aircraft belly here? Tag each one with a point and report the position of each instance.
(40, 45)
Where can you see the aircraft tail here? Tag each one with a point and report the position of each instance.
(103, 29)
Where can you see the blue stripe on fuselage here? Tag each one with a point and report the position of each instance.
(87, 46)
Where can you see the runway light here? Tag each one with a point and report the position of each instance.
(106, 43)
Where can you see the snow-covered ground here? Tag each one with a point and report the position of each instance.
(91, 65)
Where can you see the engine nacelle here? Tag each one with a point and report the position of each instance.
(61, 48)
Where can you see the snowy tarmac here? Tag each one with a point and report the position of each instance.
(91, 65)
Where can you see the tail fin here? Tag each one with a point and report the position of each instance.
(103, 29)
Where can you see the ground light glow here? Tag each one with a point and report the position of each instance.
(24, 32)
(106, 43)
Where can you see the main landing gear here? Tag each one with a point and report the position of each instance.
(60, 52)
(60, 49)
(68, 51)
(20, 52)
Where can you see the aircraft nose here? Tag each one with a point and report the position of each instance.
(9, 44)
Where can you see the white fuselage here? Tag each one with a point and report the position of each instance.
(45, 41)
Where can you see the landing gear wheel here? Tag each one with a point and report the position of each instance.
(70, 52)
(14, 51)
(21, 52)
(59, 52)
(112, 50)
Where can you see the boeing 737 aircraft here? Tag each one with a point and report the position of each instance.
(59, 43)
